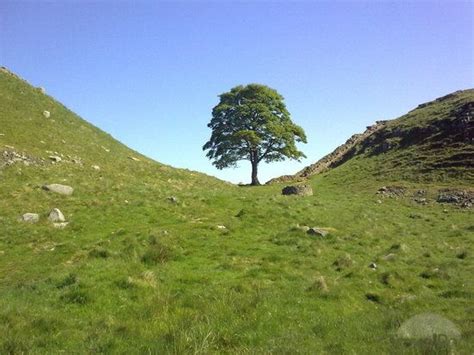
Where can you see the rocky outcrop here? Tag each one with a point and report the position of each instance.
(439, 134)
(462, 198)
(337, 157)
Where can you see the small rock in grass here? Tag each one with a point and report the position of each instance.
(30, 217)
(59, 189)
(300, 190)
(173, 199)
(303, 228)
(134, 159)
(317, 231)
(46, 114)
(221, 227)
(60, 225)
(373, 266)
(55, 158)
(56, 215)
(96, 167)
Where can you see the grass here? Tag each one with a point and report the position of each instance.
(134, 272)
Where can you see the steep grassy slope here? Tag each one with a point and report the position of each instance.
(435, 141)
(218, 269)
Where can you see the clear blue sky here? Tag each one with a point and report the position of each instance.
(149, 72)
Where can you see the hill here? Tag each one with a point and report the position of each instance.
(433, 141)
(162, 260)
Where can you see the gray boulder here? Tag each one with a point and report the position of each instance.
(301, 190)
(56, 216)
(30, 217)
(59, 189)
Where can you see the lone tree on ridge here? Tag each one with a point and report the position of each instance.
(252, 123)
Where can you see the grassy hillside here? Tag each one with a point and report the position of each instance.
(217, 268)
(432, 142)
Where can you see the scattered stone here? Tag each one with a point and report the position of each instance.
(46, 114)
(420, 193)
(42, 90)
(105, 148)
(96, 167)
(300, 190)
(391, 191)
(173, 199)
(56, 216)
(373, 266)
(60, 225)
(10, 157)
(379, 201)
(221, 227)
(30, 217)
(134, 159)
(9, 146)
(55, 158)
(2, 134)
(462, 198)
(420, 200)
(60, 189)
(317, 231)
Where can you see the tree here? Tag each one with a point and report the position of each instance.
(252, 123)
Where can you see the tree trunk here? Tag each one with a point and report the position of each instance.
(254, 173)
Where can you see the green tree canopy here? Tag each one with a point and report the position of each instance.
(252, 123)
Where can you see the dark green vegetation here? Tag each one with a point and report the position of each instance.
(251, 122)
(163, 260)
